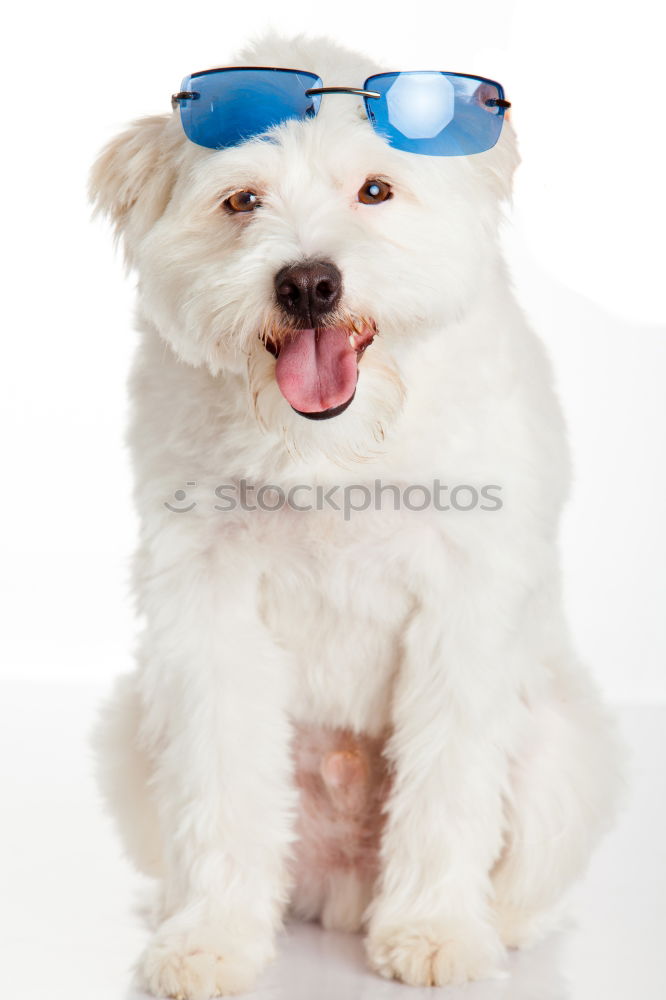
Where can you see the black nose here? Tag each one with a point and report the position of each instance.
(308, 291)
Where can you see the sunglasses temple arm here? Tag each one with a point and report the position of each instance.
(192, 95)
(183, 95)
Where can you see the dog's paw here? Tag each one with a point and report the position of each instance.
(432, 955)
(198, 967)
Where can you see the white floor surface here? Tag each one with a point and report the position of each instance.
(69, 930)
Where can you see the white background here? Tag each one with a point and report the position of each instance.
(586, 249)
(586, 245)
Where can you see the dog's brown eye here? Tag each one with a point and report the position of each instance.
(374, 191)
(242, 201)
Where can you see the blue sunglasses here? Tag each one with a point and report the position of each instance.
(438, 114)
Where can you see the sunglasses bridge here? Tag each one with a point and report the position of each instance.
(342, 90)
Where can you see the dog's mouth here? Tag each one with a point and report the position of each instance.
(317, 369)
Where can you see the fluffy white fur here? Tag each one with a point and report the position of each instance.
(444, 629)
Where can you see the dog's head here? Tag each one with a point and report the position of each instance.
(310, 261)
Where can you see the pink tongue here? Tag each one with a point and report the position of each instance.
(316, 369)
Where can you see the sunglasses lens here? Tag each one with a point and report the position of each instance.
(233, 105)
(438, 114)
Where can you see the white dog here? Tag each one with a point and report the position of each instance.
(373, 715)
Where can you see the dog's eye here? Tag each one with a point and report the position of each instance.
(242, 201)
(374, 191)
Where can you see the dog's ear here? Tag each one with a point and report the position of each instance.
(132, 179)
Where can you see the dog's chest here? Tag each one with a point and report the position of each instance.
(339, 610)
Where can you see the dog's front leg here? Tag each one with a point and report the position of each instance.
(430, 922)
(214, 690)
